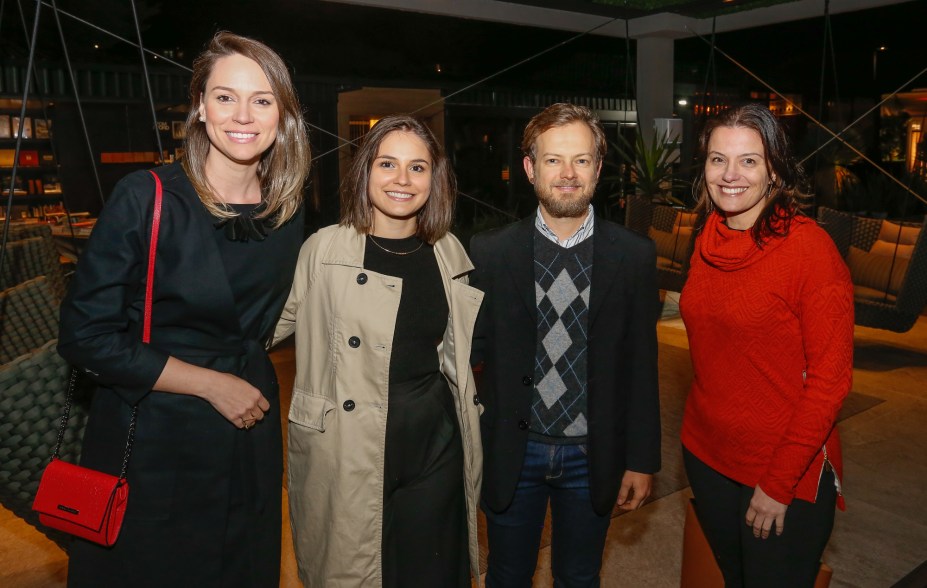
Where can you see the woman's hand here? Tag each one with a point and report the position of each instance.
(235, 399)
(764, 512)
(238, 401)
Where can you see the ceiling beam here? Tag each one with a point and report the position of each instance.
(663, 24)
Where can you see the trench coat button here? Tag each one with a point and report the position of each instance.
(348, 405)
(354, 342)
(522, 424)
(527, 380)
(476, 399)
(362, 278)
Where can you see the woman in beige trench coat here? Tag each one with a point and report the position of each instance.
(384, 446)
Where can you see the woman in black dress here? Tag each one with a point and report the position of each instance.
(206, 465)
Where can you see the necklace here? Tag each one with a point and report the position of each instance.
(374, 241)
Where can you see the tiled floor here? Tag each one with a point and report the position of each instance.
(883, 534)
(878, 540)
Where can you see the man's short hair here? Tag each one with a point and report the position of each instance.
(558, 115)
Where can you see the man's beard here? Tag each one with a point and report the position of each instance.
(565, 207)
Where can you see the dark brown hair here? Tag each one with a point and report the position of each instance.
(434, 219)
(558, 115)
(786, 193)
(283, 168)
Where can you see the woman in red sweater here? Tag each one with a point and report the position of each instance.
(768, 307)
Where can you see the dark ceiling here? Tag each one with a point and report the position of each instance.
(350, 43)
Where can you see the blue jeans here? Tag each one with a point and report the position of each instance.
(558, 474)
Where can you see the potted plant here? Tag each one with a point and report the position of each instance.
(652, 166)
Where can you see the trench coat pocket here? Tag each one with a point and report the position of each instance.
(309, 411)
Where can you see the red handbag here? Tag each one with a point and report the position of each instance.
(81, 501)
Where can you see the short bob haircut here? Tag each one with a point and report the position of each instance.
(435, 218)
(284, 167)
(786, 197)
(558, 115)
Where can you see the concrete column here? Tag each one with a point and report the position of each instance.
(654, 81)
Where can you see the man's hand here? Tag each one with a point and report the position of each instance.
(635, 488)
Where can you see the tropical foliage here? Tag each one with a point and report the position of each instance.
(652, 164)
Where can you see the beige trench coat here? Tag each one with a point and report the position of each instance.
(343, 316)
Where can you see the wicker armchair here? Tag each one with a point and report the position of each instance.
(32, 390)
(27, 231)
(32, 257)
(28, 318)
(671, 230)
(888, 265)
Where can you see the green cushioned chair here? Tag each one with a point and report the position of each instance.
(31, 252)
(32, 391)
(28, 318)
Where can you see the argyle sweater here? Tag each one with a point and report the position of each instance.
(771, 336)
(562, 279)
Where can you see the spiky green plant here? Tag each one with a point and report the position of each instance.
(651, 165)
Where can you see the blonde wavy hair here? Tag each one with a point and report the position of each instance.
(284, 167)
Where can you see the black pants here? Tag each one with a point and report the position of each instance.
(791, 559)
(424, 509)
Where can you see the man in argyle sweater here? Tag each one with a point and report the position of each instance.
(567, 342)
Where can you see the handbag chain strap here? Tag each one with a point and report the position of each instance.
(146, 336)
(63, 424)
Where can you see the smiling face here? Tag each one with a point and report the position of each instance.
(239, 110)
(564, 171)
(399, 184)
(736, 175)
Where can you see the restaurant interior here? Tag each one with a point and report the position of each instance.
(70, 129)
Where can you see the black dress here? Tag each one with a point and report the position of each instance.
(424, 512)
(205, 496)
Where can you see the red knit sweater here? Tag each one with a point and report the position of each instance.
(771, 336)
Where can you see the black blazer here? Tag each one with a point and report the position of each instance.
(623, 401)
(185, 452)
